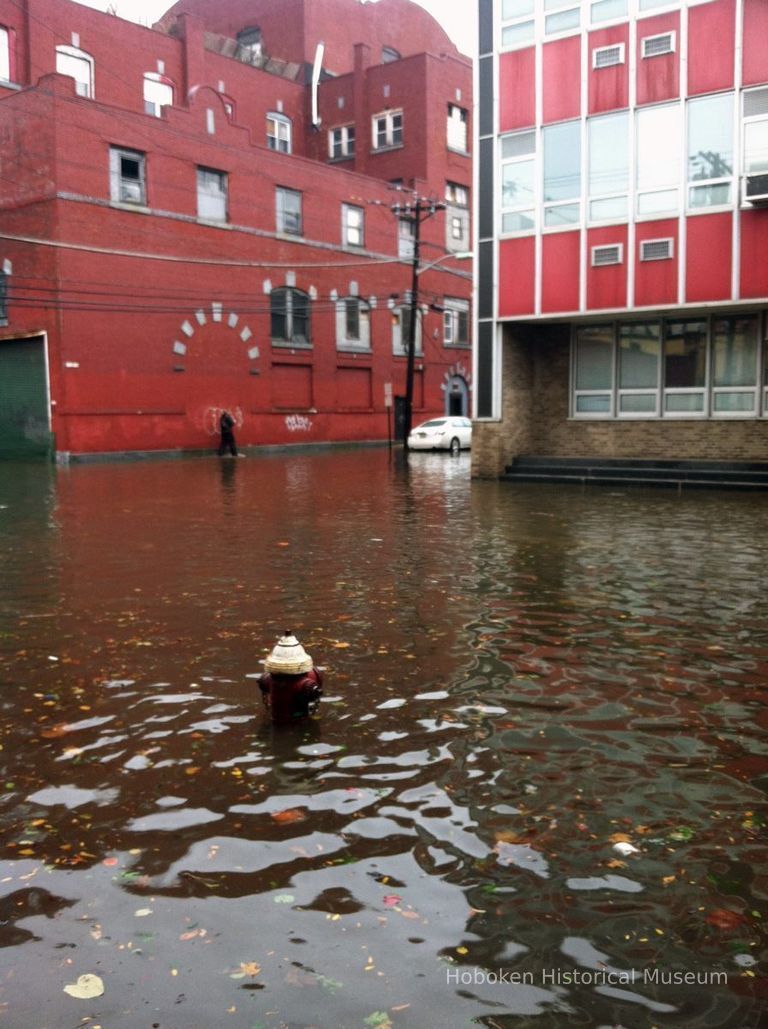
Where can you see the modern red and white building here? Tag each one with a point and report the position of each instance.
(622, 254)
(202, 216)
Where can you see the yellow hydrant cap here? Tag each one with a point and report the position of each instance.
(288, 657)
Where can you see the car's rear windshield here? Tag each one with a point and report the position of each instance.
(433, 424)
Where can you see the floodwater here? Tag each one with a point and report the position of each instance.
(534, 795)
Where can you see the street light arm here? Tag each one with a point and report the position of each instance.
(462, 255)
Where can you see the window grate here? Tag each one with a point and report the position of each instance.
(657, 249)
(609, 254)
(755, 103)
(656, 46)
(607, 56)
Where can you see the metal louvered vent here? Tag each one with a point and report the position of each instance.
(755, 102)
(604, 255)
(607, 56)
(657, 249)
(655, 46)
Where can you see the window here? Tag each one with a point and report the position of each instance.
(405, 234)
(387, 130)
(658, 162)
(695, 368)
(401, 323)
(756, 132)
(518, 191)
(517, 22)
(5, 55)
(685, 367)
(457, 128)
(127, 176)
(353, 324)
(289, 316)
(352, 225)
(288, 203)
(456, 194)
(456, 322)
(567, 16)
(608, 143)
(279, 132)
(605, 10)
(249, 49)
(211, 195)
(562, 173)
(734, 365)
(389, 54)
(710, 150)
(78, 66)
(158, 93)
(3, 298)
(341, 142)
(639, 363)
(647, 5)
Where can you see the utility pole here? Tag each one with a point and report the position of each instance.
(415, 212)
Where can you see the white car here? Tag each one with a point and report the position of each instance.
(449, 433)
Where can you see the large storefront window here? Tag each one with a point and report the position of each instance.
(698, 368)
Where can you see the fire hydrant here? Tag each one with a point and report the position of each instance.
(290, 686)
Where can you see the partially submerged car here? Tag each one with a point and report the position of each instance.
(449, 433)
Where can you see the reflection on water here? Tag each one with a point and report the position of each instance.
(541, 757)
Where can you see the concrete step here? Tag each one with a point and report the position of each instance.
(616, 471)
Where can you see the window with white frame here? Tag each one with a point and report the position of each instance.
(681, 368)
(5, 55)
(517, 22)
(657, 46)
(658, 160)
(710, 150)
(289, 316)
(279, 132)
(562, 173)
(647, 5)
(456, 128)
(353, 324)
(405, 239)
(765, 373)
(607, 56)
(458, 228)
(518, 182)
(456, 194)
(158, 93)
(352, 225)
(389, 55)
(127, 176)
(608, 166)
(755, 112)
(401, 327)
(456, 322)
(387, 129)
(211, 195)
(341, 142)
(288, 211)
(78, 65)
(607, 10)
(561, 16)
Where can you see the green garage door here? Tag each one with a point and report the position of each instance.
(24, 425)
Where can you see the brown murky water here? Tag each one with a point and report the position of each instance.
(535, 794)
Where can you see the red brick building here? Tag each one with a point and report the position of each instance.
(199, 216)
(623, 233)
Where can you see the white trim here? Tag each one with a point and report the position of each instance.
(737, 153)
(682, 227)
(646, 243)
(620, 56)
(605, 248)
(670, 34)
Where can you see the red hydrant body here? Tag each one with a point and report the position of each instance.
(291, 686)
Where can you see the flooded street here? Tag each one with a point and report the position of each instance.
(534, 794)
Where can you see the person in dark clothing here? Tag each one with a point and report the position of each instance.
(226, 425)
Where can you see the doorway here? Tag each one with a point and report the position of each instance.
(25, 426)
(457, 397)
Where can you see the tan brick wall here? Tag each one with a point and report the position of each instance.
(535, 418)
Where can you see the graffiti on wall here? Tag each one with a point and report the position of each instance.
(298, 423)
(211, 416)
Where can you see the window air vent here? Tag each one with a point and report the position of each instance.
(607, 56)
(756, 190)
(604, 255)
(755, 103)
(657, 249)
(655, 46)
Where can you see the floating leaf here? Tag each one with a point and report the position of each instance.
(291, 814)
(250, 968)
(284, 898)
(391, 900)
(86, 987)
(725, 919)
(682, 833)
(378, 1020)
(143, 912)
